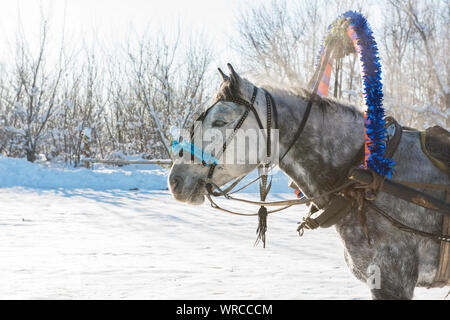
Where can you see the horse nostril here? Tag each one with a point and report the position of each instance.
(176, 183)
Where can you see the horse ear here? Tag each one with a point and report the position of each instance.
(235, 78)
(223, 75)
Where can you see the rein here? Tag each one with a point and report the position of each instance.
(291, 202)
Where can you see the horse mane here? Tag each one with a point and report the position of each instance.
(228, 89)
(326, 104)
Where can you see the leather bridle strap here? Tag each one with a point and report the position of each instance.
(310, 103)
(271, 112)
(249, 107)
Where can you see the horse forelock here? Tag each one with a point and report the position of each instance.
(227, 91)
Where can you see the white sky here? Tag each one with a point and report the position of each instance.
(110, 21)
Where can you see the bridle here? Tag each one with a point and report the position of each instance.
(249, 107)
(263, 168)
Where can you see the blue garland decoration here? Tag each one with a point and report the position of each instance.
(373, 95)
(373, 92)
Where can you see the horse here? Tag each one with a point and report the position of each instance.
(325, 151)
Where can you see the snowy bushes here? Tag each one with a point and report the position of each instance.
(128, 99)
(280, 41)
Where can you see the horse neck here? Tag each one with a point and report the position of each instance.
(327, 147)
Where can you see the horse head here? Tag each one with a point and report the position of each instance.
(231, 109)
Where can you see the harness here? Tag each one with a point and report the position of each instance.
(355, 189)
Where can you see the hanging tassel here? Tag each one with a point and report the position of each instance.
(262, 226)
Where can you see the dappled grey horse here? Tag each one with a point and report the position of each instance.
(324, 154)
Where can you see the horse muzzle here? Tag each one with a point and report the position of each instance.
(183, 190)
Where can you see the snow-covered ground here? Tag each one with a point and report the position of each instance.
(19, 172)
(84, 234)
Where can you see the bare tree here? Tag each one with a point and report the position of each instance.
(170, 85)
(415, 61)
(280, 41)
(424, 24)
(271, 38)
(36, 89)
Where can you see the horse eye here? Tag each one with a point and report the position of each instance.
(219, 123)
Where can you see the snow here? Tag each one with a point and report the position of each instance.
(19, 172)
(100, 240)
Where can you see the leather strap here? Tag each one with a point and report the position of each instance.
(250, 107)
(430, 186)
(310, 103)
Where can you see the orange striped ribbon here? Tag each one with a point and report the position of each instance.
(325, 81)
